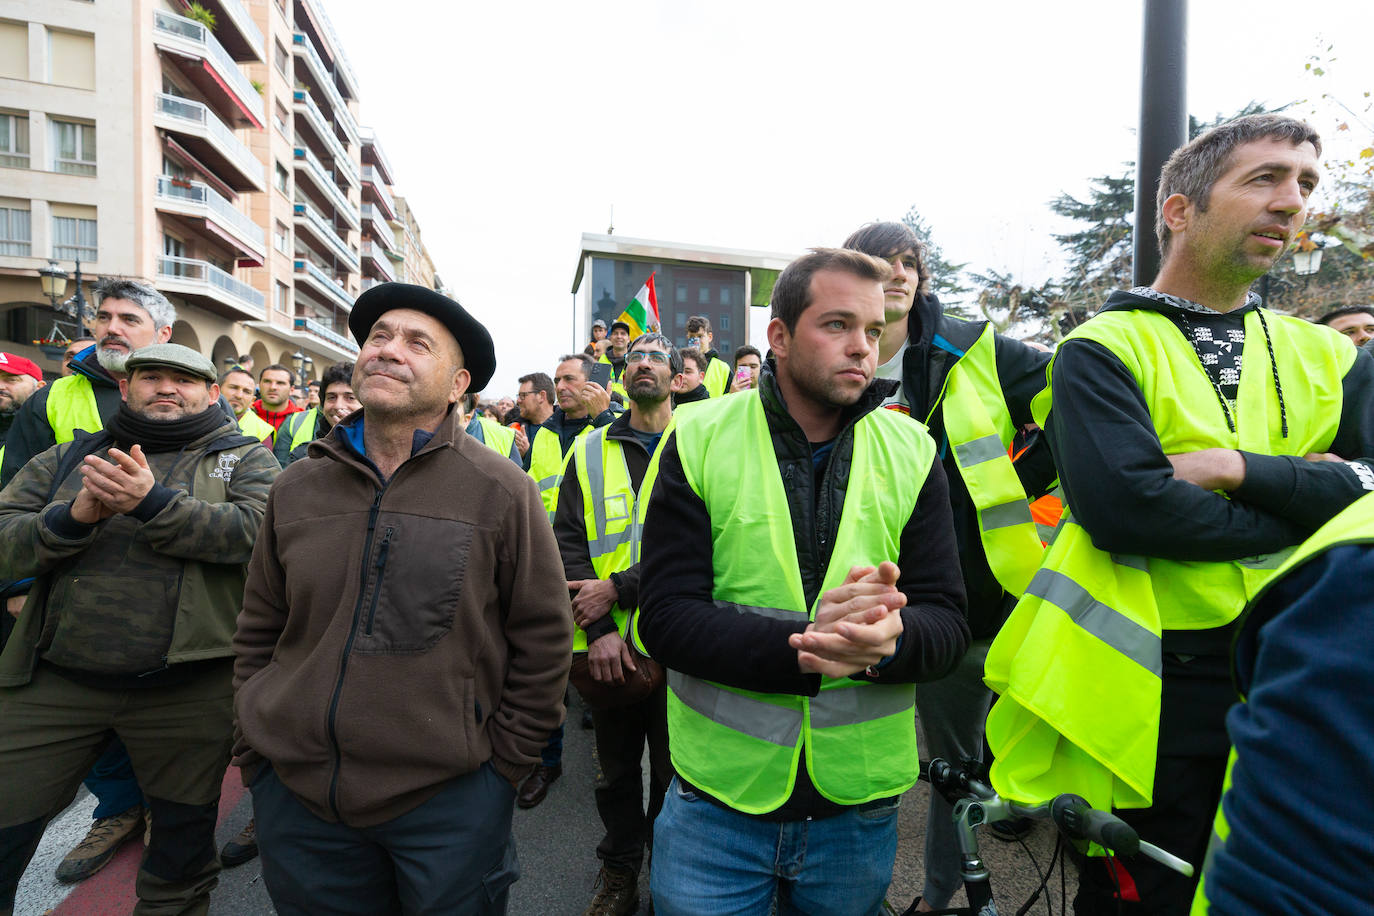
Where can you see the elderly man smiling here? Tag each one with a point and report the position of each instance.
(405, 637)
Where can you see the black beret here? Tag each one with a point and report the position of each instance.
(479, 354)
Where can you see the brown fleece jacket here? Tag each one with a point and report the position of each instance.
(395, 636)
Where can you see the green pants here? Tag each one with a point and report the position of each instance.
(179, 739)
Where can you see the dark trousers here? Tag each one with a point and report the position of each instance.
(178, 738)
(1187, 790)
(454, 854)
(620, 737)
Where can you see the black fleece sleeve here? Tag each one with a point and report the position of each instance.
(30, 435)
(1311, 493)
(935, 633)
(1121, 487)
(681, 625)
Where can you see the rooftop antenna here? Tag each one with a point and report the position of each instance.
(610, 230)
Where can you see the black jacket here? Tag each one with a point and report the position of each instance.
(31, 433)
(685, 629)
(934, 343)
(570, 525)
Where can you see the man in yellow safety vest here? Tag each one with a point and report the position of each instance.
(799, 575)
(1186, 481)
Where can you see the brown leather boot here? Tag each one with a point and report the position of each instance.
(617, 893)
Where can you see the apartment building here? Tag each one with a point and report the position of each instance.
(212, 147)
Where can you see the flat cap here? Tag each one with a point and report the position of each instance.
(173, 356)
(479, 354)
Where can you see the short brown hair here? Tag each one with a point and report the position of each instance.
(696, 356)
(883, 240)
(792, 291)
(699, 323)
(1193, 169)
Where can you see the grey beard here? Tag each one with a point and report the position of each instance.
(112, 360)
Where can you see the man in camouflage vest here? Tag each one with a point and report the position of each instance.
(137, 537)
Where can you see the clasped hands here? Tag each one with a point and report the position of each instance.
(609, 657)
(857, 624)
(111, 487)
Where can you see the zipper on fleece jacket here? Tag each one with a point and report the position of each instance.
(330, 722)
(380, 566)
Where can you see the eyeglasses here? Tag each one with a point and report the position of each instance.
(654, 356)
(521, 395)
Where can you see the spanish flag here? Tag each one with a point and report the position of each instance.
(642, 312)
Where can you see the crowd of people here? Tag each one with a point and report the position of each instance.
(372, 593)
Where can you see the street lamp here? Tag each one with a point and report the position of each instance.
(1306, 263)
(54, 282)
(303, 362)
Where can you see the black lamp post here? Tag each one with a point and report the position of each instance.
(54, 282)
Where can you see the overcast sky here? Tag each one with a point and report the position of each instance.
(513, 128)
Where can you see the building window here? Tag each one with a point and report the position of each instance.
(172, 246)
(283, 180)
(281, 238)
(279, 118)
(73, 237)
(280, 57)
(703, 294)
(680, 293)
(283, 298)
(16, 236)
(14, 141)
(724, 322)
(724, 295)
(73, 147)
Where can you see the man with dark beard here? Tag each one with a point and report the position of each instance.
(606, 473)
(129, 315)
(138, 536)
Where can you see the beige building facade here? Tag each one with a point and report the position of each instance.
(218, 156)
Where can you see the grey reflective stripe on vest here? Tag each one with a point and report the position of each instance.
(773, 613)
(746, 715)
(980, 450)
(1133, 560)
(1109, 625)
(1268, 560)
(1016, 512)
(548, 483)
(604, 543)
(861, 703)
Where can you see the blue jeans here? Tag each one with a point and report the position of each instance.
(112, 782)
(712, 861)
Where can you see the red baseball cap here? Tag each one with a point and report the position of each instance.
(18, 365)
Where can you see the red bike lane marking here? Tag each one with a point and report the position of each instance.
(110, 891)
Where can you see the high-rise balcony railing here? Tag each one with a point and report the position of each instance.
(194, 198)
(376, 255)
(324, 229)
(372, 177)
(324, 179)
(189, 117)
(322, 75)
(189, 38)
(379, 229)
(311, 326)
(189, 276)
(320, 125)
(241, 19)
(324, 282)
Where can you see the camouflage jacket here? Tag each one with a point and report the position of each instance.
(138, 592)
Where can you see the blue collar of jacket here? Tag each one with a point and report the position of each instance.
(349, 431)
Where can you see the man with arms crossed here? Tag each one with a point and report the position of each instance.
(799, 574)
(1187, 480)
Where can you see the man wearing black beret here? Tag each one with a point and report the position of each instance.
(405, 637)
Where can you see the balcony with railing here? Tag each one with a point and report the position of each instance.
(236, 30)
(208, 139)
(308, 271)
(310, 218)
(211, 287)
(322, 178)
(312, 327)
(375, 259)
(320, 126)
(372, 181)
(200, 201)
(204, 61)
(324, 78)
